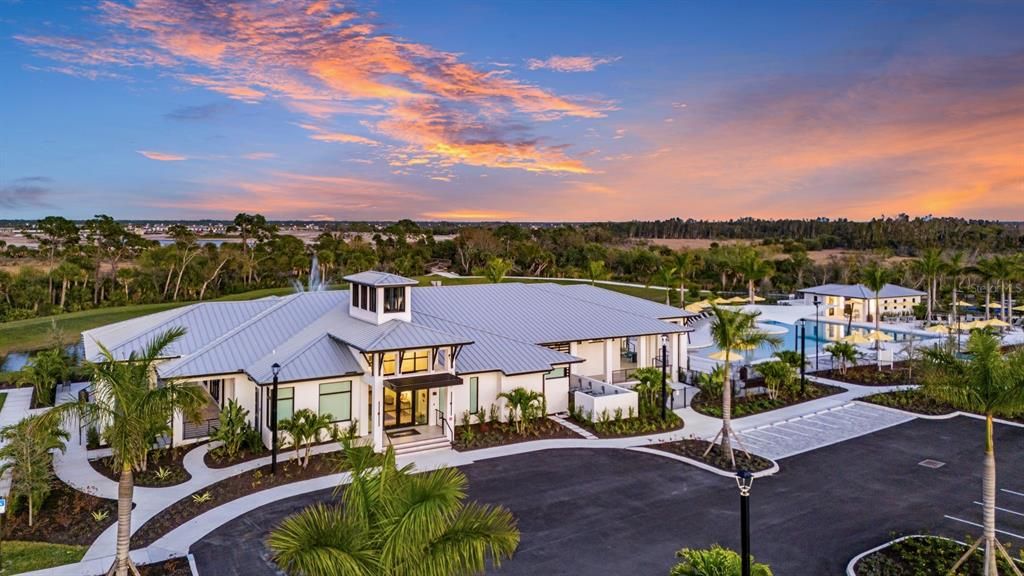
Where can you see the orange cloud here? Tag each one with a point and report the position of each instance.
(321, 59)
(472, 215)
(569, 63)
(162, 156)
(322, 135)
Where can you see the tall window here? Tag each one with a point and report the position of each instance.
(285, 403)
(388, 364)
(474, 395)
(356, 291)
(372, 293)
(394, 299)
(336, 400)
(415, 361)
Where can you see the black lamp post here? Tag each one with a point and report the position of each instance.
(817, 324)
(276, 368)
(745, 480)
(802, 332)
(664, 374)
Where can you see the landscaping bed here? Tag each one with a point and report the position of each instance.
(214, 459)
(694, 449)
(19, 556)
(921, 556)
(751, 405)
(869, 375)
(488, 434)
(166, 468)
(65, 518)
(627, 427)
(230, 489)
(912, 400)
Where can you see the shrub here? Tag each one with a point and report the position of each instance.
(714, 561)
(100, 515)
(232, 428)
(27, 455)
(202, 498)
(92, 438)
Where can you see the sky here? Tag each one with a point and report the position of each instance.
(520, 110)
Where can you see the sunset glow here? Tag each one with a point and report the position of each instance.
(508, 111)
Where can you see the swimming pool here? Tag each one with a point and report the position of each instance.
(826, 333)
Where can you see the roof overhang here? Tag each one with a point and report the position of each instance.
(437, 380)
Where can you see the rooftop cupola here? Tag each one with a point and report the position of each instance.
(378, 297)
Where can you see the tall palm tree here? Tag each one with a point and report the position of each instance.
(875, 276)
(126, 404)
(665, 276)
(733, 330)
(754, 269)
(1003, 272)
(685, 263)
(930, 266)
(988, 383)
(986, 269)
(393, 522)
(956, 268)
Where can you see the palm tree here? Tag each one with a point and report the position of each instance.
(305, 428)
(754, 269)
(930, 265)
(791, 357)
(732, 331)
(496, 270)
(126, 404)
(685, 263)
(987, 270)
(393, 522)
(1003, 271)
(844, 353)
(665, 277)
(875, 276)
(27, 454)
(956, 268)
(44, 372)
(596, 271)
(987, 383)
(522, 405)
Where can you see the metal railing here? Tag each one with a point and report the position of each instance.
(200, 429)
(444, 423)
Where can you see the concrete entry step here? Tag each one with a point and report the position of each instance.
(820, 429)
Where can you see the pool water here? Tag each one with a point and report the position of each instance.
(826, 333)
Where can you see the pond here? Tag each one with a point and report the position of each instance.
(15, 361)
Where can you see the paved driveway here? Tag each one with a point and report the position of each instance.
(604, 511)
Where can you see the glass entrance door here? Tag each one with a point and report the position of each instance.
(406, 408)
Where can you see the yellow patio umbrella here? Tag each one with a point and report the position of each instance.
(758, 298)
(695, 308)
(721, 301)
(738, 299)
(971, 325)
(962, 303)
(1019, 308)
(995, 305)
(880, 336)
(726, 356)
(702, 303)
(938, 329)
(995, 323)
(856, 338)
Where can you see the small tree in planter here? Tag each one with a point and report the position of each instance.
(648, 388)
(27, 455)
(305, 428)
(44, 372)
(844, 353)
(523, 406)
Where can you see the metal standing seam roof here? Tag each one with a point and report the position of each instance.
(530, 314)
(374, 278)
(392, 335)
(491, 352)
(615, 300)
(863, 292)
(321, 357)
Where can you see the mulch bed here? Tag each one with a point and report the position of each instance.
(870, 375)
(694, 449)
(629, 427)
(926, 555)
(170, 459)
(65, 518)
(499, 433)
(230, 489)
(917, 401)
(215, 460)
(172, 567)
(750, 405)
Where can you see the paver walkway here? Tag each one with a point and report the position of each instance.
(574, 427)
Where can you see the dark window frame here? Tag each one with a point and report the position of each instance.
(474, 390)
(321, 394)
(394, 299)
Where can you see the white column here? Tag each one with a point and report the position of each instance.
(361, 398)
(378, 413)
(673, 357)
(608, 351)
(684, 349)
(643, 356)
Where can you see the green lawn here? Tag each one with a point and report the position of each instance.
(34, 333)
(3, 398)
(21, 557)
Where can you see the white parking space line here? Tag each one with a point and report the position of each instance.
(1011, 492)
(1007, 510)
(975, 524)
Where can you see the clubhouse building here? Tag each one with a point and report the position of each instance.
(401, 363)
(893, 301)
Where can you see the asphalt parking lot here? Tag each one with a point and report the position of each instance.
(605, 511)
